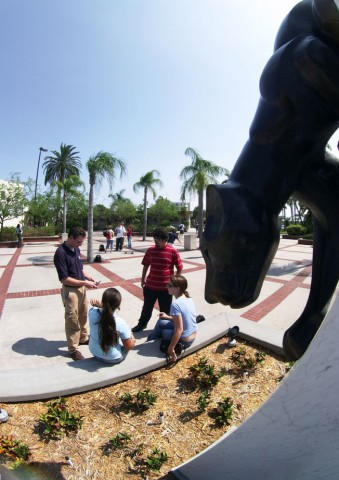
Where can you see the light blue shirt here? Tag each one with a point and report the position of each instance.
(115, 352)
(185, 307)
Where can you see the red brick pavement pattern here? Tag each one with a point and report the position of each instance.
(266, 306)
(133, 285)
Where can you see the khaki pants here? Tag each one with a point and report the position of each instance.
(76, 326)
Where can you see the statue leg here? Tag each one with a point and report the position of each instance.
(319, 190)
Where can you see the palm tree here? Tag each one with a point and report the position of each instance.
(58, 167)
(118, 195)
(100, 165)
(196, 177)
(147, 182)
(69, 187)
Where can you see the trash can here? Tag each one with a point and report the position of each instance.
(190, 241)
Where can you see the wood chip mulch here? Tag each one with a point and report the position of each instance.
(184, 432)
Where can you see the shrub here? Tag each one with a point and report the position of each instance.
(296, 229)
(58, 420)
(11, 447)
(203, 374)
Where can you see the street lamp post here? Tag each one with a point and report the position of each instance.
(41, 149)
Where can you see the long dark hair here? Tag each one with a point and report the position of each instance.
(111, 300)
(181, 282)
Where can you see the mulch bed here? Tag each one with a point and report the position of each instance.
(184, 432)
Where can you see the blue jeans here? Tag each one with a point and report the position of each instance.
(109, 244)
(129, 242)
(165, 329)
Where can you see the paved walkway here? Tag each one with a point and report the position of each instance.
(34, 362)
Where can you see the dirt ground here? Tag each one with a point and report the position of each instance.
(185, 430)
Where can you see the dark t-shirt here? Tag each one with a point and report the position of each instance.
(68, 263)
(172, 237)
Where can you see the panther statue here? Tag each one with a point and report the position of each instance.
(285, 154)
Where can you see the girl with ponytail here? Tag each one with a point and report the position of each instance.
(110, 337)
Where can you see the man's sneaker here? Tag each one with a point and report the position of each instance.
(138, 328)
(86, 342)
(77, 356)
(178, 349)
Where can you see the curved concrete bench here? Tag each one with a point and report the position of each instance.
(74, 377)
(295, 434)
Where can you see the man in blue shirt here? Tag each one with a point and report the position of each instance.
(73, 292)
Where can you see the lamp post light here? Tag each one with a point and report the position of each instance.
(41, 149)
(37, 171)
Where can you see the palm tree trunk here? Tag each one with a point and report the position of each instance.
(64, 213)
(90, 224)
(200, 213)
(145, 214)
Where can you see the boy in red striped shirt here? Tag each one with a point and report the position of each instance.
(161, 260)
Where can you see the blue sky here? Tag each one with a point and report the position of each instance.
(143, 79)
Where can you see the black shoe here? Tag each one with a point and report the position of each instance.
(200, 318)
(86, 342)
(138, 328)
(178, 349)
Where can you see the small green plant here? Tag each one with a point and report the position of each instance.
(203, 374)
(58, 420)
(203, 401)
(139, 402)
(156, 459)
(224, 411)
(118, 442)
(11, 447)
(247, 362)
(145, 398)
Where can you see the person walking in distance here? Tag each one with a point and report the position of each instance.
(109, 238)
(18, 232)
(119, 232)
(161, 260)
(129, 236)
(73, 291)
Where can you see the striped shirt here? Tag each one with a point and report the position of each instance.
(161, 262)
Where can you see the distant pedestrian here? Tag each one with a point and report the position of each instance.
(161, 259)
(129, 236)
(111, 338)
(73, 291)
(109, 238)
(172, 237)
(18, 232)
(181, 228)
(120, 232)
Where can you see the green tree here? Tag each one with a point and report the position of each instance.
(148, 183)
(123, 209)
(196, 177)
(58, 168)
(12, 199)
(69, 187)
(163, 213)
(100, 165)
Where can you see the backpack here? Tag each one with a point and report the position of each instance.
(104, 233)
(98, 259)
(102, 248)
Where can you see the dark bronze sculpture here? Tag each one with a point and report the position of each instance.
(286, 154)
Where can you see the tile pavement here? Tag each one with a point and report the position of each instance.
(32, 339)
